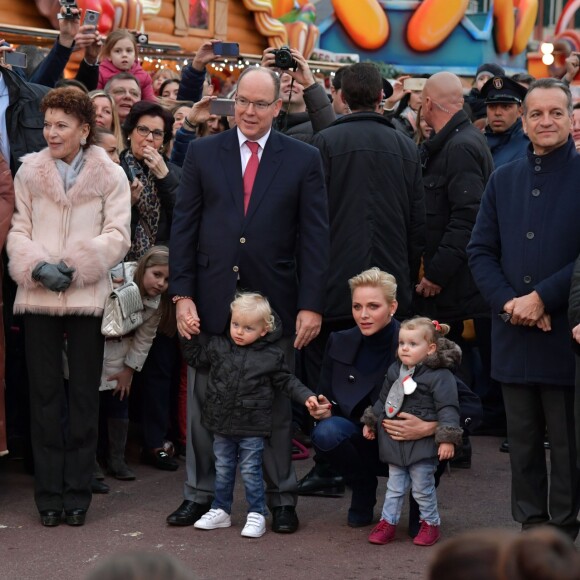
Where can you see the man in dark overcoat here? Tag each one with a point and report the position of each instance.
(522, 253)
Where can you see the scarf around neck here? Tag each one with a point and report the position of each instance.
(148, 207)
(70, 172)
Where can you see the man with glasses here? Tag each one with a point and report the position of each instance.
(126, 91)
(251, 214)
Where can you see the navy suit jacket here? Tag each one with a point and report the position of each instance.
(279, 248)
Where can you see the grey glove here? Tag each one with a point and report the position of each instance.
(55, 277)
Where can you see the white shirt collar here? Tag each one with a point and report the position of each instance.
(261, 141)
(3, 86)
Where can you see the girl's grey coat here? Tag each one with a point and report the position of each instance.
(434, 399)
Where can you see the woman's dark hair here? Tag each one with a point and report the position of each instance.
(151, 109)
(74, 103)
(165, 83)
(71, 83)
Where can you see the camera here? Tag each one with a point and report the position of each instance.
(141, 38)
(283, 59)
(67, 5)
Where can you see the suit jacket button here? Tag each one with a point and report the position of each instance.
(530, 235)
(350, 379)
(242, 240)
(527, 279)
(235, 269)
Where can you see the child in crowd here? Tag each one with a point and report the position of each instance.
(125, 355)
(119, 54)
(245, 368)
(106, 139)
(420, 383)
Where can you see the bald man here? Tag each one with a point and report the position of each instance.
(456, 166)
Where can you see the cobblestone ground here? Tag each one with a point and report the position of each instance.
(132, 517)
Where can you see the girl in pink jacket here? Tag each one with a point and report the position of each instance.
(119, 54)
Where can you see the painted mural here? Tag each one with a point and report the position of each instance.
(418, 36)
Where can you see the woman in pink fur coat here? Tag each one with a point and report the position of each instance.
(70, 226)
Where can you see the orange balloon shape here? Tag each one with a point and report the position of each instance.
(505, 24)
(433, 22)
(365, 22)
(525, 20)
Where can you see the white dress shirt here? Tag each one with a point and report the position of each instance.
(245, 152)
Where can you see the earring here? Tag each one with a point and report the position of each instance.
(83, 141)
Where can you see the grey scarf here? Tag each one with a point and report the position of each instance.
(397, 391)
(69, 173)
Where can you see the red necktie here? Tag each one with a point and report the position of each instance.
(250, 173)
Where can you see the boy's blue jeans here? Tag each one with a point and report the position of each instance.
(421, 477)
(247, 452)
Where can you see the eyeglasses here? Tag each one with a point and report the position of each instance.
(144, 132)
(120, 92)
(244, 103)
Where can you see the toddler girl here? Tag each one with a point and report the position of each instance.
(125, 355)
(420, 383)
(245, 368)
(119, 54)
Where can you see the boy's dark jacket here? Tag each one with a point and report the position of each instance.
(434, 399)
(241, 383)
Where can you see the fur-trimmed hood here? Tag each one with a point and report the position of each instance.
(447, 356)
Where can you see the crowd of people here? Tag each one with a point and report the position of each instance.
(398, 258)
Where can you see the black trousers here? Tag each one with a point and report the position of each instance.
(530, 409)
(63, 421)
(156, 381)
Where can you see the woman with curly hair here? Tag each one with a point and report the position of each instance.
(70, 226)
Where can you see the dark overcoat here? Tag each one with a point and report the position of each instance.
(456, 169)
(527, 238)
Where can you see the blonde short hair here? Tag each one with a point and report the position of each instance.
(376, 279)
(256, 304)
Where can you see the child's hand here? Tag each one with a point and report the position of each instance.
(123, 379)
(322, 408)
(311, 404)
(368, 433)
(446, 451)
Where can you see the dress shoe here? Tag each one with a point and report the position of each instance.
(317, 483)
(98, 486)
(160, 459)
(75, 517)
(284, 519)
(50, 518)
(188, 513)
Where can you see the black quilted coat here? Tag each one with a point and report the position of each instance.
(241, 383)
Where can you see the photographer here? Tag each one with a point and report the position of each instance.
(73, 36)
(193, 76)
(306, 108)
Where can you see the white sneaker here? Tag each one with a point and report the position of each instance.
(213, 519)
(255, 526)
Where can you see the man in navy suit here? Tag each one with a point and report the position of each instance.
(278, 245)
